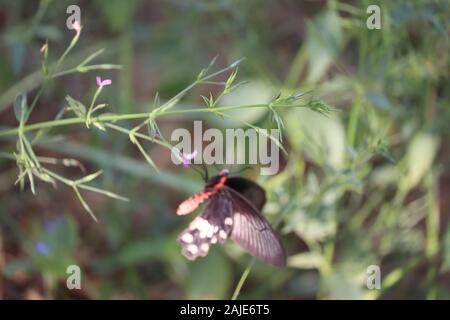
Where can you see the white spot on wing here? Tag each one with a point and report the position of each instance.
(222, 234)
(210, 232)
(192, 248)
(187, 237)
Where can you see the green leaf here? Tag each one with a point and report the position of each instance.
(321, 138)
(84, 203)
(76, 106)
(306, 260)
(346, 282)
(446, 251)
(324, 41)
(13, 267)
(20, 107)
(210, 277)
(204, 71)
(318, 226)
(89, 177)
(419, 158)
(99, 107)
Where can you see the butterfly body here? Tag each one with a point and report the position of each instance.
(232, 211)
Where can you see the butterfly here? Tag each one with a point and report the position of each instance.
(233, 210)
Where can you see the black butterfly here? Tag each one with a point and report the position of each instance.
(233, 211)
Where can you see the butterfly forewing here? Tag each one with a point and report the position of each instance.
(250, 190)
(253, 232)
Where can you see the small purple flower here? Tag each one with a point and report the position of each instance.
(42, 248)
(101, 83)
(187, 158)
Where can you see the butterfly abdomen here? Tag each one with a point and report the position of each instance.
(192, 203)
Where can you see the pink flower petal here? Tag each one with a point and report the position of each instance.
(187, 158)
(76, 26)
(190, 156)
(102, 83)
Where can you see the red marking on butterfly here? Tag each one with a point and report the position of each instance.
(232, 211)
(191, 203)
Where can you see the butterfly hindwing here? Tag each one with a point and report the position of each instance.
(211, 226)
(253, 232)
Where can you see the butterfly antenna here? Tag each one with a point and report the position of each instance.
(198, 170)
(217, 167)
(245, 168)
(229, 167)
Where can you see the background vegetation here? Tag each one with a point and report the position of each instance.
(365, 185)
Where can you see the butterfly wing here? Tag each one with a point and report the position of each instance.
(250, 190)
(253, 232)
(211, 226)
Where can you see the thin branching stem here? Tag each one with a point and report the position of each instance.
(131, 116)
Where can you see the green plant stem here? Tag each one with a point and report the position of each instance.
(241, 282)
(88, 115)
(244, 275)
(432, 221)
(31, 81)
(69, 48)
(113, 118)
(326, 268)
(432, 227)
(354, 118)
(122, 163)
(297, 68)
(103, 66)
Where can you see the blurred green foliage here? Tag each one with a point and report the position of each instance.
(366, 185)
